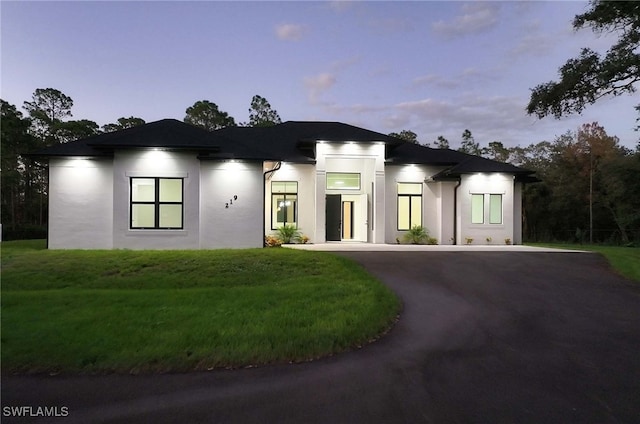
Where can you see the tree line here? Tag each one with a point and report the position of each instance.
(23, 181)
(589, 188)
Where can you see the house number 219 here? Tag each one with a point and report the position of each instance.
(230, 202)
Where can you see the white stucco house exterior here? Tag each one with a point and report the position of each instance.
(169, 185)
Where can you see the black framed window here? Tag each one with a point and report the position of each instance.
(156, 203)
(284, 203)
(409, 205)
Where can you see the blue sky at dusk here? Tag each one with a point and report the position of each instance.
(435, 68)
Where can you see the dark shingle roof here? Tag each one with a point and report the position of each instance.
(292, 141)
(418, 154)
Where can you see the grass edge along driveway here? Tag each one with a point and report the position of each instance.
(167, 311)
(624, 260)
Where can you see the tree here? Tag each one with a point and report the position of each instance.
(46, 110)
(496, 151)
(469, 145)
(589, 77)
(75, 130)
(261, 114)
(406, 135)
(14, 139)
(441, 143)
(207, 115)
(123, 123)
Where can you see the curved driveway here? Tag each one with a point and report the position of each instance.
(496, 337)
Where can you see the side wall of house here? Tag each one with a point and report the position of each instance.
(487, 232)
(80, 203)
(231, 204)
(437, 202)
(304, 175)
(156, 164)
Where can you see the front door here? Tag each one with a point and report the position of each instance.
(333, 227)
(346, 217)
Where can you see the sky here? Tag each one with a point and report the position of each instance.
(431, 67)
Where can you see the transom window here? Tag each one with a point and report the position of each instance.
(343, 181)
(156, 203)
(409, 205)
(284, 203)
(479, 210)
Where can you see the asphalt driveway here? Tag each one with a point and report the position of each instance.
(495, 337)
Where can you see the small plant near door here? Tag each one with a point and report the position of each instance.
(507, 241)
(288, 234)
(489, 240)
(416, 235)
(468, 240)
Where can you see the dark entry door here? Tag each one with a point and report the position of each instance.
(334, 212)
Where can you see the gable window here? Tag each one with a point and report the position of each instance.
(156, 203)
(343, 181)
(284, 203)
(494, 208)
(409, 205)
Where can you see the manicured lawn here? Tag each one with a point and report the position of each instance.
(625, 260)
(160, 311)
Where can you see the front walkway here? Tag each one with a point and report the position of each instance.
(371, 247)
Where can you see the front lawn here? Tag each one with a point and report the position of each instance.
(625, 260)
(161, 311)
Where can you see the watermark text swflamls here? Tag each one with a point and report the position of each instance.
(35, 411)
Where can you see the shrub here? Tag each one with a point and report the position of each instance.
(288, 233)
(417, 235)
(24, 232)
(272, 241)
(432, 241)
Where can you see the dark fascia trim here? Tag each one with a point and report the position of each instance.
(226, 157)
(171, 147)
(67, 155)
(414, 162)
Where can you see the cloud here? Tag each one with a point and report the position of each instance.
(290, 32)
(341, 65)
(534, 44)
(319, 84)
(468, 77)
(391, 26)
(438, 81)
(490, 118)
(475, 18)
(341, 5)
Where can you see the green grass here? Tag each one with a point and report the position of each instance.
(162, 311)
(625, 260)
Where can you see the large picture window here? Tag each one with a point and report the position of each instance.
(157, 203)
(478, 208)
(284, 203)
(409, 205)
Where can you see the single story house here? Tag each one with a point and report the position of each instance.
(170, 185)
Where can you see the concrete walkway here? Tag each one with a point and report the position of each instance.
(371, 247)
